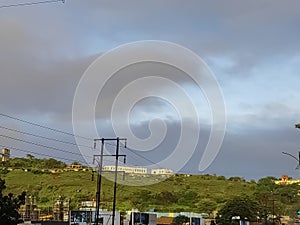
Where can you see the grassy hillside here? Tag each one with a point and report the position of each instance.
(198, 193)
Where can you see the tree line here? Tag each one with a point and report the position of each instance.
(31, 162)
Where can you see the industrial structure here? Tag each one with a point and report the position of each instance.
(5, 155)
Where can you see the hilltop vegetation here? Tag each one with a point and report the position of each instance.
(197, 193)
(30, 162)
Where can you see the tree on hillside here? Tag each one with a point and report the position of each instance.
(267, 184)
(243, 208)
(237, 179)
(276, 199)
(19, 163)
(206, 205)
(9, 206)
(30, 157)
(141, 200)
(30, 162)
(166, 197)
(52, 164)
(264, 193)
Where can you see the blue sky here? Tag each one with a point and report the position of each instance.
(251, 47)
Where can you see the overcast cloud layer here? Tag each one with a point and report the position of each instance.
(251, 46)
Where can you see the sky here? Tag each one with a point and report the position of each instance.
(251, 48)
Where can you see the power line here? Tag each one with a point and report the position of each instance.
(67, 133)
(41, 154)
(43, 137)
(30, 3)
(40, 145)
(44, 127)
(105, 161)
(134, 152)
(109, 150)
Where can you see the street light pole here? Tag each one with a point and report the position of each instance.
(297, 159)
(273, 211)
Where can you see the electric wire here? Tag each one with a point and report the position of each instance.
(41, 145)
(30, 3)
(41, 154)
(134, 152)
(105, 161)
(43, 137)
(44, 127)
(67, 133)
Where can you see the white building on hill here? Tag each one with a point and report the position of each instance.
(161, 171)
(126, 169)
(137, 170)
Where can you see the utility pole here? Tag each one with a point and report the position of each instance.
(115, 182)
(297, 126)
(99, 177)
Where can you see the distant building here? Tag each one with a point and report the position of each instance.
(161, 171)
(74, 167)
(137, 170)
(5, 155)
(126, 169)
(88, 204)
(285, 180)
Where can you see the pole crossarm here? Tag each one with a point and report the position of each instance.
(110, 139)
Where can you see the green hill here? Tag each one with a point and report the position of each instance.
(177, 193)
